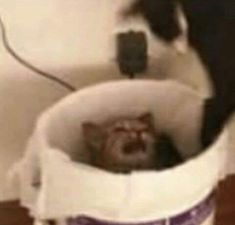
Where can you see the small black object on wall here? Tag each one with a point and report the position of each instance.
(132, 51)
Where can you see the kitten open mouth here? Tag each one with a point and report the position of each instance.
(134, 147)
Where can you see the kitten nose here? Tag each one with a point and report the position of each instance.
(133, 135)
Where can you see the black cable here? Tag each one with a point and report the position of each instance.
(29, 65)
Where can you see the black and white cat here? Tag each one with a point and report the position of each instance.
(209, 27)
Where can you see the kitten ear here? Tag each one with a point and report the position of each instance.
(146, 118)
(93, 133)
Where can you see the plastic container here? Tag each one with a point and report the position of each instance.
(75, 193)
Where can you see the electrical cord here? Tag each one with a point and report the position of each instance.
(28, 65)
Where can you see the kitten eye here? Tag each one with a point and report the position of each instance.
(144, 130)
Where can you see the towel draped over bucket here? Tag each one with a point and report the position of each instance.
(56, 155)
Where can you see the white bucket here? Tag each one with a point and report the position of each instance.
(183, 195)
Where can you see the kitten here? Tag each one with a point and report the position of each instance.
(122, 145)
(128, 144)
(211, 34)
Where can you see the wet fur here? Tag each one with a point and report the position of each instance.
(128, 144)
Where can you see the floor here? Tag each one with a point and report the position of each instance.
(226, 203)
(12, 214)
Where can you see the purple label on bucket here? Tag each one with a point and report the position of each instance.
(195, 216)
(90, 221)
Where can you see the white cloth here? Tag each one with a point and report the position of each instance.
(71, 189)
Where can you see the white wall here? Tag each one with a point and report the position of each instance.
(75, 40)
(71, 39)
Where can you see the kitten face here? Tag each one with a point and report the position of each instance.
(123, 145)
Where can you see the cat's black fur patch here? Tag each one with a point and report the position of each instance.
(211, 25)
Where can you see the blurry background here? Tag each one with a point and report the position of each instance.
(75, 40)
